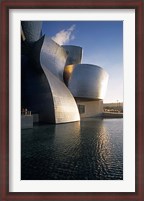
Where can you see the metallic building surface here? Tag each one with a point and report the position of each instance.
(32, 30)
(74, 54)
(67, 73)
(51, 76)
(43, 92)
(88, 81)
(36, 94)
(65, 107)
(53, 57)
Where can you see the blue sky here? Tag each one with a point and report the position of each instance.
(102, 43)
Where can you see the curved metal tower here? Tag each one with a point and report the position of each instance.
(88, 81)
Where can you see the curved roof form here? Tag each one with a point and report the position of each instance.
(88, 81)
(74, 54)
(31, 30)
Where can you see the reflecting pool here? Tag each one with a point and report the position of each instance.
(88, 150)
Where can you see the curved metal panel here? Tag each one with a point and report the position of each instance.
(42, 91)
(44, 65)
(67, 73)
(32, 30)
(65, 107)
(53, 57)
(74, 54)
(88, 81)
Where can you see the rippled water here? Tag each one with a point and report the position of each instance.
(91, 149)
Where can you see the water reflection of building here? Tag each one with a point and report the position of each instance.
(54, 83)
(96, 140)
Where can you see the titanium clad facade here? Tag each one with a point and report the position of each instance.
(68, 70)
(65, 107)
(36, 94)
(88, 81)
(43, 91)
(54, 85)
(74, 54)
(32, 30)
(53, 57)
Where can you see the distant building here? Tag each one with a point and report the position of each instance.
(54, 83)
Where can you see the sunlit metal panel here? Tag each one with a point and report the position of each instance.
(67, 73)
(74, 54)
(88, 81)
(65, 107)
(53, 57)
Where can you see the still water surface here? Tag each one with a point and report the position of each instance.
(91, 149)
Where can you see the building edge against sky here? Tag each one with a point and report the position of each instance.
(55, 85)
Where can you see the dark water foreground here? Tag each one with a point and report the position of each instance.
(91, 149)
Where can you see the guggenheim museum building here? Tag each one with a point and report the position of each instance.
(55, 84)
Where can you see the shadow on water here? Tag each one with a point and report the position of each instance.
(91, 149)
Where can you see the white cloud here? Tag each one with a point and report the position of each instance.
(64, 36)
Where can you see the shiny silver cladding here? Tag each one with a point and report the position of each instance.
(43, 69)
(65, 107)
(32, 30)
(53, 57)
(74, 57)
(67, 73)
(74, 54)
(88, 81)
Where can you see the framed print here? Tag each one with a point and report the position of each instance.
(62, 138)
